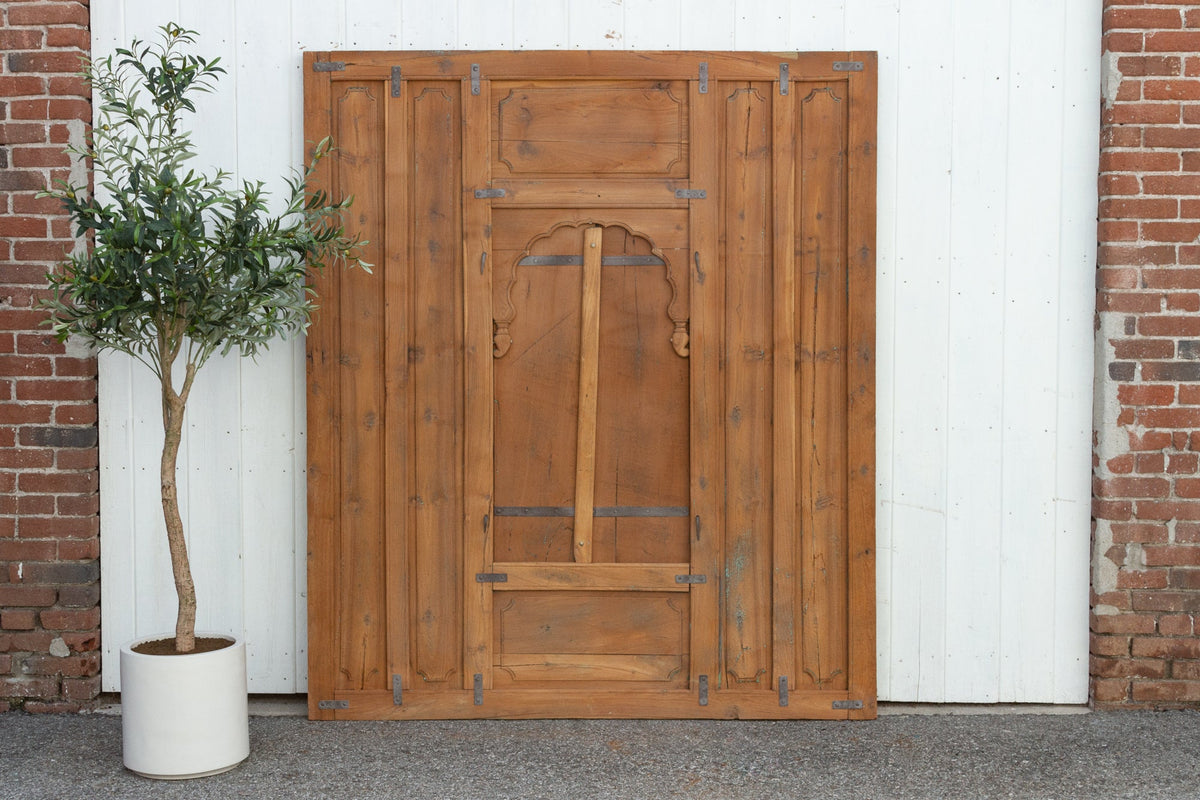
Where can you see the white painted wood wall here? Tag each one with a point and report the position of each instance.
(988, 139)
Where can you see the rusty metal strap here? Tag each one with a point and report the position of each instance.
(577, 261)
(600, 511)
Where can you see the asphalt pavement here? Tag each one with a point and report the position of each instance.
(1049, 756)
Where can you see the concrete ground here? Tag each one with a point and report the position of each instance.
(904, 754)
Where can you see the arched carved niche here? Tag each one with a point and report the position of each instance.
(553, 248)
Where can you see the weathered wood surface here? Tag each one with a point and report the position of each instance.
(611, 447)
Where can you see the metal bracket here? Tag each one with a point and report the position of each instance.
(484, 194)
(478, 689)
(847, 66)
(703, 690)
(690, 194)
(329, 66)
(847, 704)
(397, 691)
(783, 690)
(396, 77)
(474, 79)
(691, 579)
(329, 705)
(784, 80)
(703, 77)
(491, 577)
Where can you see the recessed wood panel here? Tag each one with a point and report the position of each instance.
(359, 125)
(435, 362)
(613, 623)
(821, 335)
(636, 128)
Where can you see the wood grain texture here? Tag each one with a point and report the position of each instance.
(436, 355)
(861, 177)
(748, 223)
(478, 270)
(589, 376)
(270, 136)
(359, 126)
(822, 329)
(323, 417)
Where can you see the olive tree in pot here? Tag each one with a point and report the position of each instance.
(182, 265)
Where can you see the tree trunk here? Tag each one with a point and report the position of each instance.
(185, 590)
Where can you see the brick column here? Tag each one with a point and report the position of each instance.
(1146, 559)
(49, 508)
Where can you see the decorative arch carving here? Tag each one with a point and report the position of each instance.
(506, 313)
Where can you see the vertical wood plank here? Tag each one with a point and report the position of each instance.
(478, 268)
(974, 403)
(785, 364)
(707, 403)
(1032, 232)
(874, 25)
(819, 26)
(436, 255)
(921, 364)
(589, 362)
(861, 176)
(323, 413)
(1075, 347)
(118, 500)
(396, 273)
(485, 26)
(708, 28)
(654, 24)
(747, 218)
(429, 26)
(547, 29)
(272, 520)
(359, 126)
(762, 25)
(821, 321)
(595, 26)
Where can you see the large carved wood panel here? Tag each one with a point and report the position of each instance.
(595, 438)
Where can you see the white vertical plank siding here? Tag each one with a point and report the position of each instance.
(653, 24)
(272, 507)
(987, 153)
(976, 298)
(1076, 287)
(919, 452)
(875, 24)
(1027, 613)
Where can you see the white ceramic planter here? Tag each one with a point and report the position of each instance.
(184, 716)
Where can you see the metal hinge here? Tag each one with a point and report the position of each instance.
(691, 579)
(478, 689)
(491, 577)
(329, 66)
(690, 194)
(397, 691)
(474, 79)
(703, 77)
(703, 690)
(329, 705)
(784, 81)
(847, 704)
(396, 78)
(483, 194)
(847, 66)
(783, 690)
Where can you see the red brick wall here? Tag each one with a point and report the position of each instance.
(1146, 564)
(49, 523)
